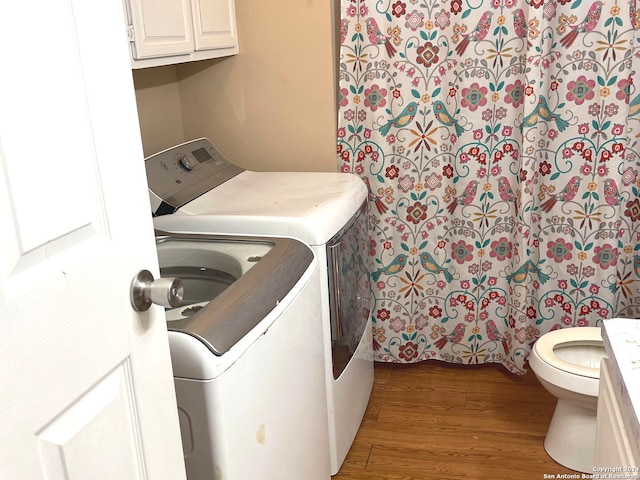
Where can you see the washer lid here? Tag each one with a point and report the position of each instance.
(547, 344)
(238, 309)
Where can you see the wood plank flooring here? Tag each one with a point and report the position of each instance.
(437, 421)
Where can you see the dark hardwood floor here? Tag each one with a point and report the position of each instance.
(436, 421)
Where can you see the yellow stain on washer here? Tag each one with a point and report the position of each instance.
(261, 436)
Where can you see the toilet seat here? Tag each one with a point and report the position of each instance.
(546, 344)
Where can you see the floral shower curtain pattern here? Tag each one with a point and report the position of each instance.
(499, 143)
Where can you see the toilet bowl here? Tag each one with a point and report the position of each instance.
(567, 364)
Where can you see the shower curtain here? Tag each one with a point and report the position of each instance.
(499, 143)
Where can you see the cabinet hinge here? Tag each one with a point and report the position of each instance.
(130, 33)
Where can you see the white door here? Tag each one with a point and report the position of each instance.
(86, 388)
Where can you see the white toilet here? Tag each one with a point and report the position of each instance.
(567, 363)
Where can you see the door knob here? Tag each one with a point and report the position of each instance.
(166, 292)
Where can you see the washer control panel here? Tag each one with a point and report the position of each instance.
(186, 163)
(184, 172)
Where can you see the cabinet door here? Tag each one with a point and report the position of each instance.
(214, 24)
(160, 28)
(612, 441)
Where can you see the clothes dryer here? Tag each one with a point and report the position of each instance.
(194, 189)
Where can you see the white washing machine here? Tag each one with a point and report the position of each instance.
(246, 335)
(193, 189)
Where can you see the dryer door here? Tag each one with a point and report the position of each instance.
(349, 288)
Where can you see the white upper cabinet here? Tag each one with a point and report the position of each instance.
(164, 32)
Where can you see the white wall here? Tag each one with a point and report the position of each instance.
(159, 108)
